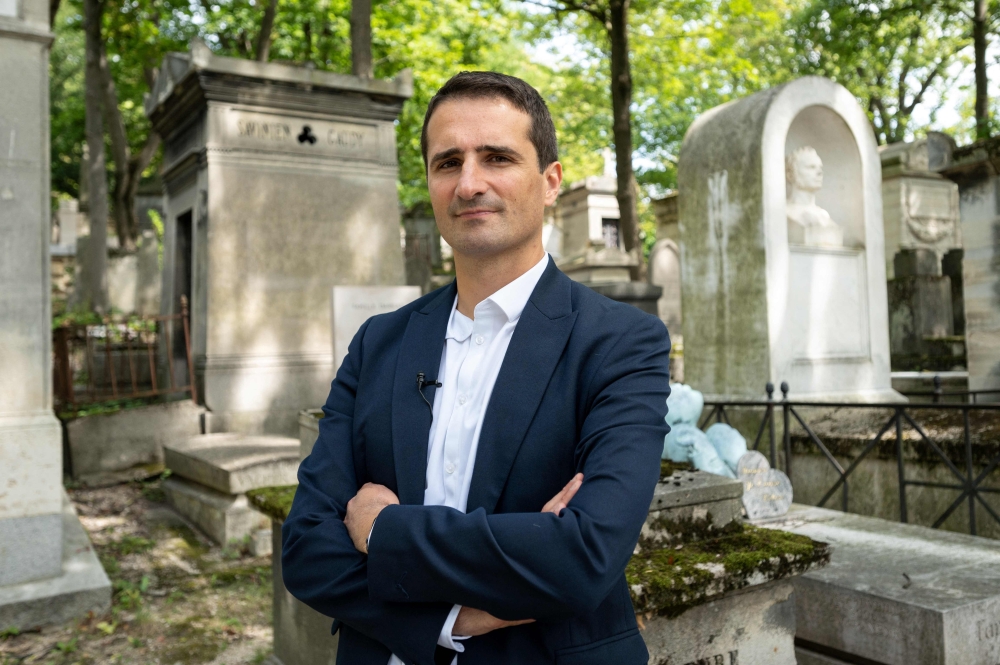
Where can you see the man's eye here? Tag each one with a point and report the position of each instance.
(447, 164)
(499, 158)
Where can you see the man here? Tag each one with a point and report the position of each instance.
(489, 452)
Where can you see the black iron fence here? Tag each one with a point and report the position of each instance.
(131, 358)
(904, 416)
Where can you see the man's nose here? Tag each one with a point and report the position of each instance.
(471, 183)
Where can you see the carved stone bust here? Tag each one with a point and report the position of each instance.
(808, 224)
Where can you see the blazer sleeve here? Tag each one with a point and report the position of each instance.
(319, 563)
(543, 566)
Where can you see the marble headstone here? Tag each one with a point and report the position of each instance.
(782, 270)
(767, 492)
(353, 305)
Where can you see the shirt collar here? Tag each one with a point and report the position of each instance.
(511, 300)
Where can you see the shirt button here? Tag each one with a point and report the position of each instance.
(480, 339)
(449, 468)
(461, 400)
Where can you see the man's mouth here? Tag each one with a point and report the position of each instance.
(475, 212)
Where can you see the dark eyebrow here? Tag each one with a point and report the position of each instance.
(497, 149)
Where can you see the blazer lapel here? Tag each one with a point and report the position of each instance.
(535, 348)
(420, 351)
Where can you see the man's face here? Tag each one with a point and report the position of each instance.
(482, 174)
(809, 171)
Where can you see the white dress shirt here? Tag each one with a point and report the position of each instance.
(474, 350)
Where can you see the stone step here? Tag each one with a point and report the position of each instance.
(234, 463)
(896, 593)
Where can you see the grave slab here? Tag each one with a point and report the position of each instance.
(81, 587)
(234, 463)
(222, 517)
(896, 593)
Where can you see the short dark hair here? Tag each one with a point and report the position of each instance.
(479, 85)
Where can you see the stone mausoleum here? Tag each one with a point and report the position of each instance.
(782, 257)
(280, 183)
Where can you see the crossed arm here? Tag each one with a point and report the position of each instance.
(371, 499)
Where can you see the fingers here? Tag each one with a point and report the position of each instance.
(561, 500)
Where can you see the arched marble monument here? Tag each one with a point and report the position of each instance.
(783, 274)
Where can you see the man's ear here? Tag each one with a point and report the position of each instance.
(553, 182)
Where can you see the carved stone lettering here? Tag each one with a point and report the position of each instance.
(718, 659)
(305, 136)
(267, 131)
(987, 630)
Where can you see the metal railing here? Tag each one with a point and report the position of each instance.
(967, 483)
(938, 395)
(126, 359)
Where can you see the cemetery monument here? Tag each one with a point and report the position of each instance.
(592, 250)
(280, 183)
(48, 571)
(782, 259)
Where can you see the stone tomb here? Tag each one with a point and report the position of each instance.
(592, 248)
(280, 183)
(48, 571)
(212, 473)
(695, 603)
(783, 271)
(895, 593)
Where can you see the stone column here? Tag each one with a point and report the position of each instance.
(30, 438)
(48, 571)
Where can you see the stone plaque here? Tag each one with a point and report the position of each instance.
(311, 136)
(824, 281)
(8, 8)
(767, 492)
(353, 305)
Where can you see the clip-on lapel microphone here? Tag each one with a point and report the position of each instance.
(421, 384)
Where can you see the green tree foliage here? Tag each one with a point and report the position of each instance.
(894, 55)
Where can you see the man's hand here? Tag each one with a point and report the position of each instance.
(362, 511)
(565, 495)
(472, 622)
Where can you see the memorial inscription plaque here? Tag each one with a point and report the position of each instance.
(353, 305)
(767, 492)
(265, 131)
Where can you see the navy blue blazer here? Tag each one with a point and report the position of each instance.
(583, 388)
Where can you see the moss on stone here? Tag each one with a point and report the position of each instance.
(275, 502)
(662, 530)
(668, 468)
(668, 581)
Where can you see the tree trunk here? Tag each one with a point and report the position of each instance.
(125, 226)
(266, 25)
(95, 277)
(361, 39)
(621, 103)
(979, 46)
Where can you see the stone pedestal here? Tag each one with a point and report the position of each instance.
(308, 430)
(280, 184)
(758, 307)
(895, 593)
(35, 528)
(213, 472)
(709, 589)
(921, 320)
